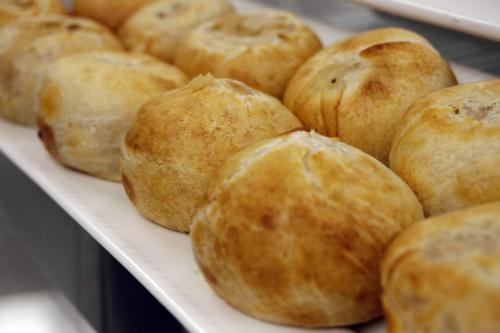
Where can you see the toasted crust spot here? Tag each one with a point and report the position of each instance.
(46, 134)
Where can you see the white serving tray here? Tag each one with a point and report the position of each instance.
(160, 259)
(476, 17)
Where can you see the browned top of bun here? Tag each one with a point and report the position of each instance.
(180, 139)
(357, 89)
(262, 48)
(158, 27)
(28, 45)
(11, 10)
(293, 229)
(443, 275)
(109, 12)
(447, 147)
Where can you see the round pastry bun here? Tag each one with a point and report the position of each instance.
(262, 49)
(28, 46)
(157, 28)
(293, 230)
(88, 101)
(447, 147)
(11, 10)
(358, 89)
(443, 275)
(179, 140)
(109, 12)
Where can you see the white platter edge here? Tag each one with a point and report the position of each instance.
(479, 17)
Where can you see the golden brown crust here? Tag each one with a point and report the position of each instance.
(29, 45)
(181, 138)
(447, 147)
(109, 12)
(262, 49)
(157, 28)
(11, 10)
(88, 101)
(357, 89)
(293, 230)
(441, 275)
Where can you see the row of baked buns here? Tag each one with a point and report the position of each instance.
(292, 167)
(293, 229)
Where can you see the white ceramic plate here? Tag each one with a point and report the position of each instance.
(160, 259)
(476, 17)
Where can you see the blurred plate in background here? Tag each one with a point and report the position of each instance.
(478, 17)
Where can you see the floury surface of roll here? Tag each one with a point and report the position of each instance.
(357, 89)
(293, 230)
(88, 101)
(443, 275)
(29, 45)
(109, 12)
(181, 138)
(447, 147)
(262, 49)
(11, 10)
(157, 28)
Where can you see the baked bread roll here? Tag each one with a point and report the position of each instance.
(294, 228)
(109, 12)
(447, 147)
(11, 10)
(28, 46)
(180, 139)
(157, 28)
(262, 49)
(442, 275)
(88, 101)
(358, 89)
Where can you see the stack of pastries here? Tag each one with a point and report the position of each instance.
(304, 175)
